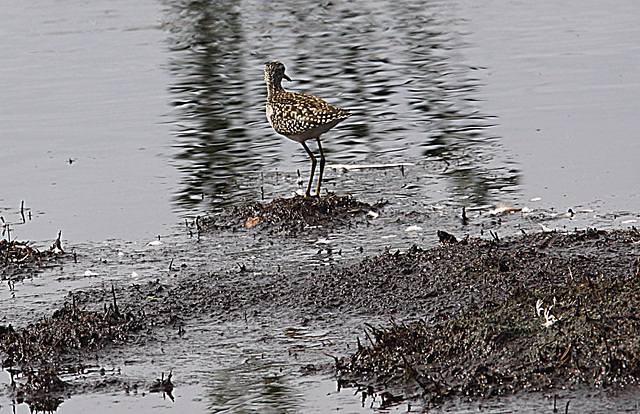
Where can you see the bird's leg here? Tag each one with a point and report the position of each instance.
(313, 169)
(321, 166)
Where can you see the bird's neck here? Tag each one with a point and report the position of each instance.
(273, 88)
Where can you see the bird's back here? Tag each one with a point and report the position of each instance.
(299, 116)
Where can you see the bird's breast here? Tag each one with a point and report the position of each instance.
(269, 113)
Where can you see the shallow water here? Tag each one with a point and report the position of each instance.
(84, 92)
(119, 119)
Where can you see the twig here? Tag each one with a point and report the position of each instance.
(369, 338)
(58, 244)
(419, 374)
(448, 165)
(115, 305)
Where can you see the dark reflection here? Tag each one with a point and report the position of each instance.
(397, 65)
(42, 404)
(252, 387)
(209, 95)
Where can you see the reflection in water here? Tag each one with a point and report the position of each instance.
(208, 96)
(253, 387)
(396, 65)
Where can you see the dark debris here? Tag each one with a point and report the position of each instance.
(163, 385)
(18, 258)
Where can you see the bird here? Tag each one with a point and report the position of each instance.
(299, 116)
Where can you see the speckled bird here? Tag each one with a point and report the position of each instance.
(299, 116)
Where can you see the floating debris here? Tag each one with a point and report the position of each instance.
(163, 385)
(545, 229)
(352, 167)
(251, 221)
(502, 208)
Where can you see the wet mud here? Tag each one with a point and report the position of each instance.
(290, 215)
(38, 354)
(471, 317)
(539, 312)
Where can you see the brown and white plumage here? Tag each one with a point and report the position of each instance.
(299, 116)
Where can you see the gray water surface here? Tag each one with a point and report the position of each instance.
(81, 114)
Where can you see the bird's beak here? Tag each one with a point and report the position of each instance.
(284, 75)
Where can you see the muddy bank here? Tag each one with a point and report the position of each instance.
(38, 355)
(540, 312)
(473, 318)
(465, 314)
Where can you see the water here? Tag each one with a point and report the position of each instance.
(412, 102)
(119, 119)
(562, 79)
(83, 95)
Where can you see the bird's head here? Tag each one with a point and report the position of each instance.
(274, 73)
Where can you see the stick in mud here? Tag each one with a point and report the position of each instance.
(58, 244)
(115, 305)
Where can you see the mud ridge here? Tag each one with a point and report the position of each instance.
(290, 215)
(38, 355)
(567, 318)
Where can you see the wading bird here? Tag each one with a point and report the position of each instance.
(299, 116)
